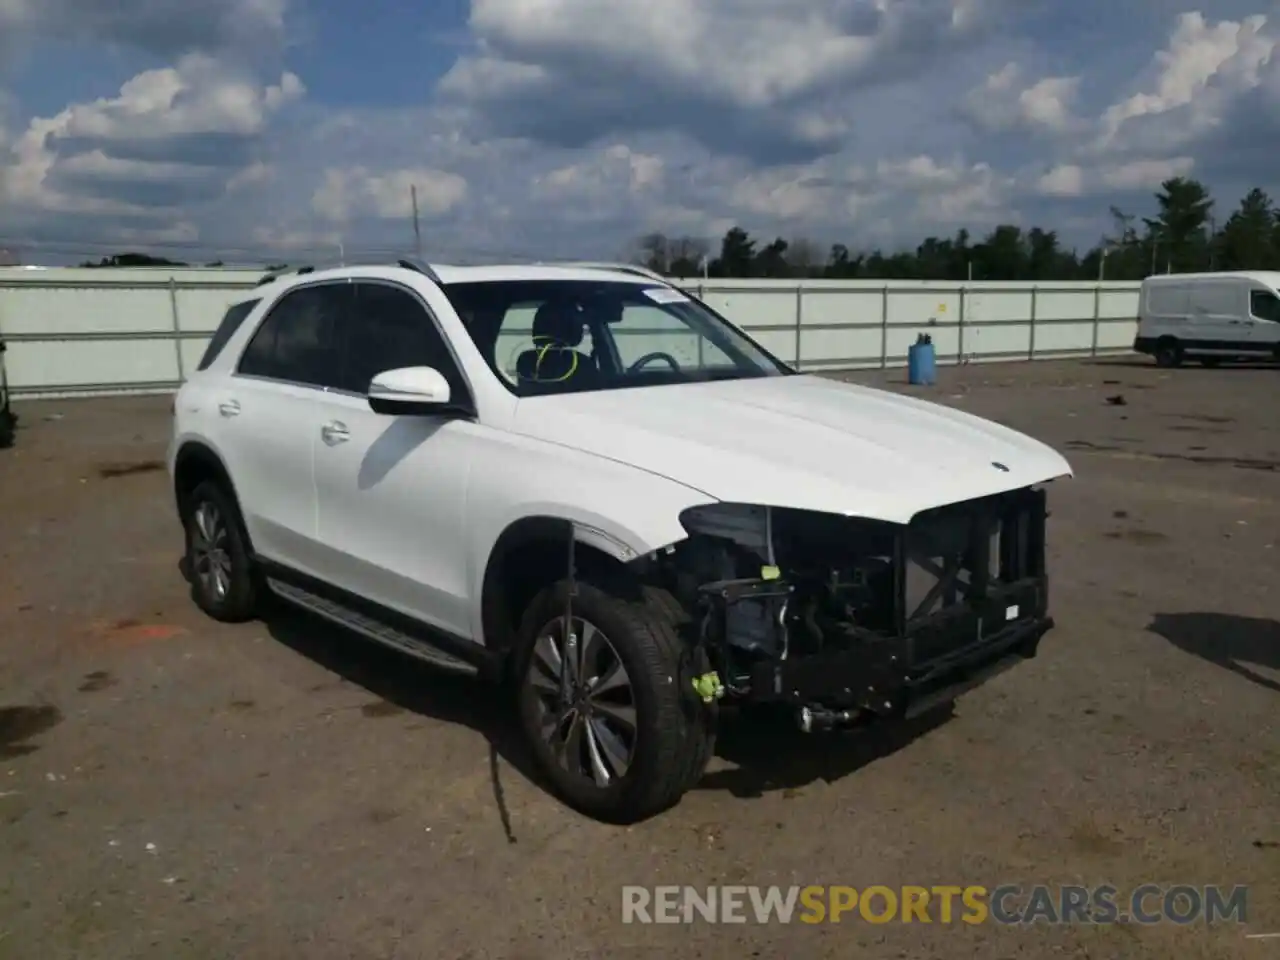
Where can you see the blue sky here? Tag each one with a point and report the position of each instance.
(268, 129)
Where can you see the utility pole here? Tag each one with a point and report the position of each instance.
(417, 230)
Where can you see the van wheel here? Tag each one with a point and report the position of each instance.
(1168, 353)
(611, 715)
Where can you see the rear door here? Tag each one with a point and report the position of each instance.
(268, 412)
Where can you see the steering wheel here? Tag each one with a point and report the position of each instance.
(656, 355)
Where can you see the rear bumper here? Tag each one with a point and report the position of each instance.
(1145, 345)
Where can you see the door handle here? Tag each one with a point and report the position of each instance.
(335, 431)
(229, 408)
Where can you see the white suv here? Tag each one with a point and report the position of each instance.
(584, 482)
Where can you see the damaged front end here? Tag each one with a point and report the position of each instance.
(847, 619)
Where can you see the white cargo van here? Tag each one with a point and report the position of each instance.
(1209, 316)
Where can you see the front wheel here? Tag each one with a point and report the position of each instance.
(1168, 353)
(608, 704)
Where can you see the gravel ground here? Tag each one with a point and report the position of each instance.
(172, 788)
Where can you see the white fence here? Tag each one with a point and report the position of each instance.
(105, 331)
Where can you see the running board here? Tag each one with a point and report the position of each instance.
(370, 629)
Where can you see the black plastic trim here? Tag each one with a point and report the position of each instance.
(487, 661)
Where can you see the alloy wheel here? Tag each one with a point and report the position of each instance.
(210, 558)
(586, 701)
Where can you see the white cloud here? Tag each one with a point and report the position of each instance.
(1004, 102)
(755, 76)
(1185, 110)
(194, 98)
(166, 28)
(1195, 77)
(1066, 180)
(1073, 180)
(568, 127)
(356, 191)
(170, 136)
(292, 241)
(616, 169)
(1145, 174)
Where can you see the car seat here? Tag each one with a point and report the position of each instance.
(558, 329)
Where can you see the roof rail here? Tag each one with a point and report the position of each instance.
(420, 266)
(632, 268)
(287, 271)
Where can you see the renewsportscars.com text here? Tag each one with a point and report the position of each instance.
(1006, 904)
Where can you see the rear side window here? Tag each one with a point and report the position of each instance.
(231, 321)
(298, 341)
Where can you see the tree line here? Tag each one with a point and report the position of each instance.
(1182, 237)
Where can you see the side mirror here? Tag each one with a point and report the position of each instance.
(409, 391)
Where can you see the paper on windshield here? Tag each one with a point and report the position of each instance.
(665, 295)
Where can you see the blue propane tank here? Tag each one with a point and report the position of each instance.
(922, 362)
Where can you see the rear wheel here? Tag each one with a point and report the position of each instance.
(608, 705)
(217, 560)
(1168, 353)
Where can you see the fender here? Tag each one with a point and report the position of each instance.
(197, 455)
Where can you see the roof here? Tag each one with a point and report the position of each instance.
(1268, 278)
(448, 275)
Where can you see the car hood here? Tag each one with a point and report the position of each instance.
(803, 442)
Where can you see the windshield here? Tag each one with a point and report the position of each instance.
(560, 336)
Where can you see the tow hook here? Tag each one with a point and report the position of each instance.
(811, 719)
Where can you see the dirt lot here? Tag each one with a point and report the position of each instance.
(175, 789)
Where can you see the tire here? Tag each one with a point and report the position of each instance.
(8, 429)
(1168, 353)
(672, 735)
(215, 531)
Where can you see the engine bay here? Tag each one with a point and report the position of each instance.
(790, 583)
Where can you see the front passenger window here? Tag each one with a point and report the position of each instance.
(1264, 305)
(389, 328)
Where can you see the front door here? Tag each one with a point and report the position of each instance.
(1219, 324)
(391, 490)
(1264, 327)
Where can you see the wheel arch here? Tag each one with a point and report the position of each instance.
(533, 552)
(193, 464)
